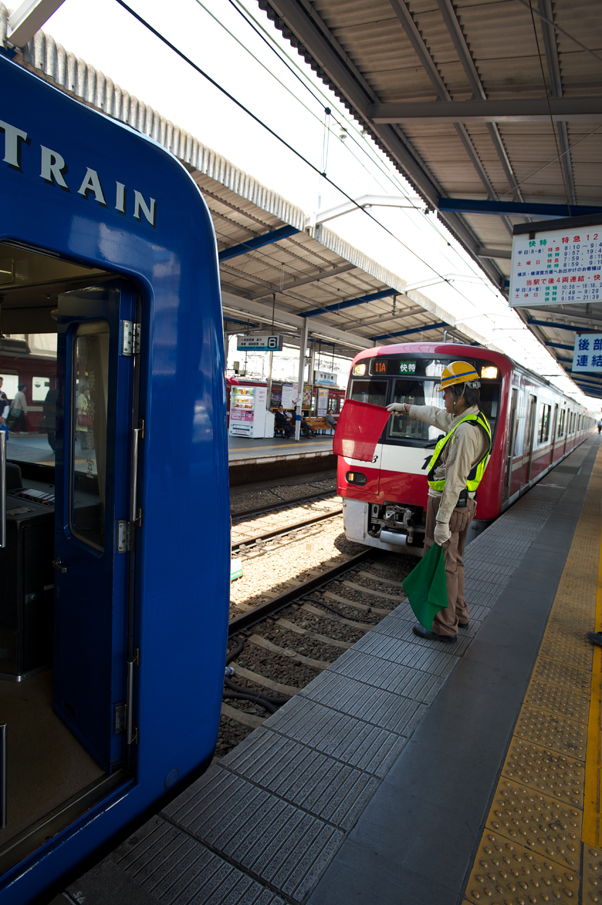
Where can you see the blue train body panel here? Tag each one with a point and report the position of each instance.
(83, 187)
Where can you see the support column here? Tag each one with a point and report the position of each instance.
(300, 379)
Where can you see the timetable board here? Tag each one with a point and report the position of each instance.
(556, 267)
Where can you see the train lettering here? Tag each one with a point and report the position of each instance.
(53, 169)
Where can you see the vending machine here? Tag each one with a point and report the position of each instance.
(249, 416)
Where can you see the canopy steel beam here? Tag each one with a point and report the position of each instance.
(28, 18)
(351, 303)
(283, 232)
(457, 35)
(559, 346)
(440, 326)
(516, 110)
(502, 253)
(515, 208)
(551, 49)
(303, 281)
(556, 325)
(405, 17)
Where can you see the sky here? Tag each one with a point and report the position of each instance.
(234, 43)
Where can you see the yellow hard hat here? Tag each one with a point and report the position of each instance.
(457, 372)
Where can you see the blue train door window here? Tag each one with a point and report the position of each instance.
(93, 469)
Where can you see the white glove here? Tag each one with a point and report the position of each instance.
(441, 533)
(397, 407)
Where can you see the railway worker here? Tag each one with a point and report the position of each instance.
(454, 473)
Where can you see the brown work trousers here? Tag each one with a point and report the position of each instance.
(446, 621)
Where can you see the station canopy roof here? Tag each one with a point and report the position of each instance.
(492, 109)
(275, 266)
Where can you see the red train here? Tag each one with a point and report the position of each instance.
(533, 424)
(37, 372)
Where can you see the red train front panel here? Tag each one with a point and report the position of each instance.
(385, 500)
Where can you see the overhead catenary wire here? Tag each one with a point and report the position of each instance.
(286, 144)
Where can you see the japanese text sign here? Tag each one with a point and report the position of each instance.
(562, 267)
(588, 352)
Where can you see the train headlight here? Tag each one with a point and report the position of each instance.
(359, 370)
(489, 373)
(356, 477)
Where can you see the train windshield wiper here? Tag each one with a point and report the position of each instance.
(430, 444)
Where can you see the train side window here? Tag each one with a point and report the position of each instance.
(89, 392)
(373, 391)
(544, 423)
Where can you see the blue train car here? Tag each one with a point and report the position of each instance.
(114, 574)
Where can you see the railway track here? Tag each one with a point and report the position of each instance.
(241, 514)
(253, 543)
(277, 648)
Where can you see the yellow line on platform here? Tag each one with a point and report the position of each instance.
(541, 841)
(592, 810)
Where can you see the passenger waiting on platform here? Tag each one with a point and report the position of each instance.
(600, 426)
(330, 420)
(454, 473)
(282, 423)
(306, 429)
(18, 410)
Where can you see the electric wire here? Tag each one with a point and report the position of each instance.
(550, 162)
(287, 145)
(391, 175)
(551, 22)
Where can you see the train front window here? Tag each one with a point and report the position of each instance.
(373, 391)
(427, 392)
(414, 392)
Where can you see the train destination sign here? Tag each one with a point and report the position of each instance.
(562, 267)
(587, 355)
(393, 366)
(259, 343)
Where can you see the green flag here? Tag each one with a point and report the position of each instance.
(426, 586)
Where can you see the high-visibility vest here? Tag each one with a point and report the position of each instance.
(478, 470)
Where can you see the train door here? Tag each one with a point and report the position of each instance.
(554, 429)
(92, 516)
(510, 449)
(529, 432)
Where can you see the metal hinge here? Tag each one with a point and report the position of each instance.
(131, 338)
(125, 533)
(124, 536)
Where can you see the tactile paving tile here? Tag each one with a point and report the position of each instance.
(411, 683)
(547, 771)
(592, 875)
(175, 869)
(274, 841)
(559, 700)
(505, 873)
(372, 705)
(552, 731)
(539, 823)
(338, 735)
(320, 785)
(568, 652)
(567, 676)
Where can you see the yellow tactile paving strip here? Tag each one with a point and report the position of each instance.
(543, 837)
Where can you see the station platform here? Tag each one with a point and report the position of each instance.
(277, 457)
(411, 772)
(246, 449)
